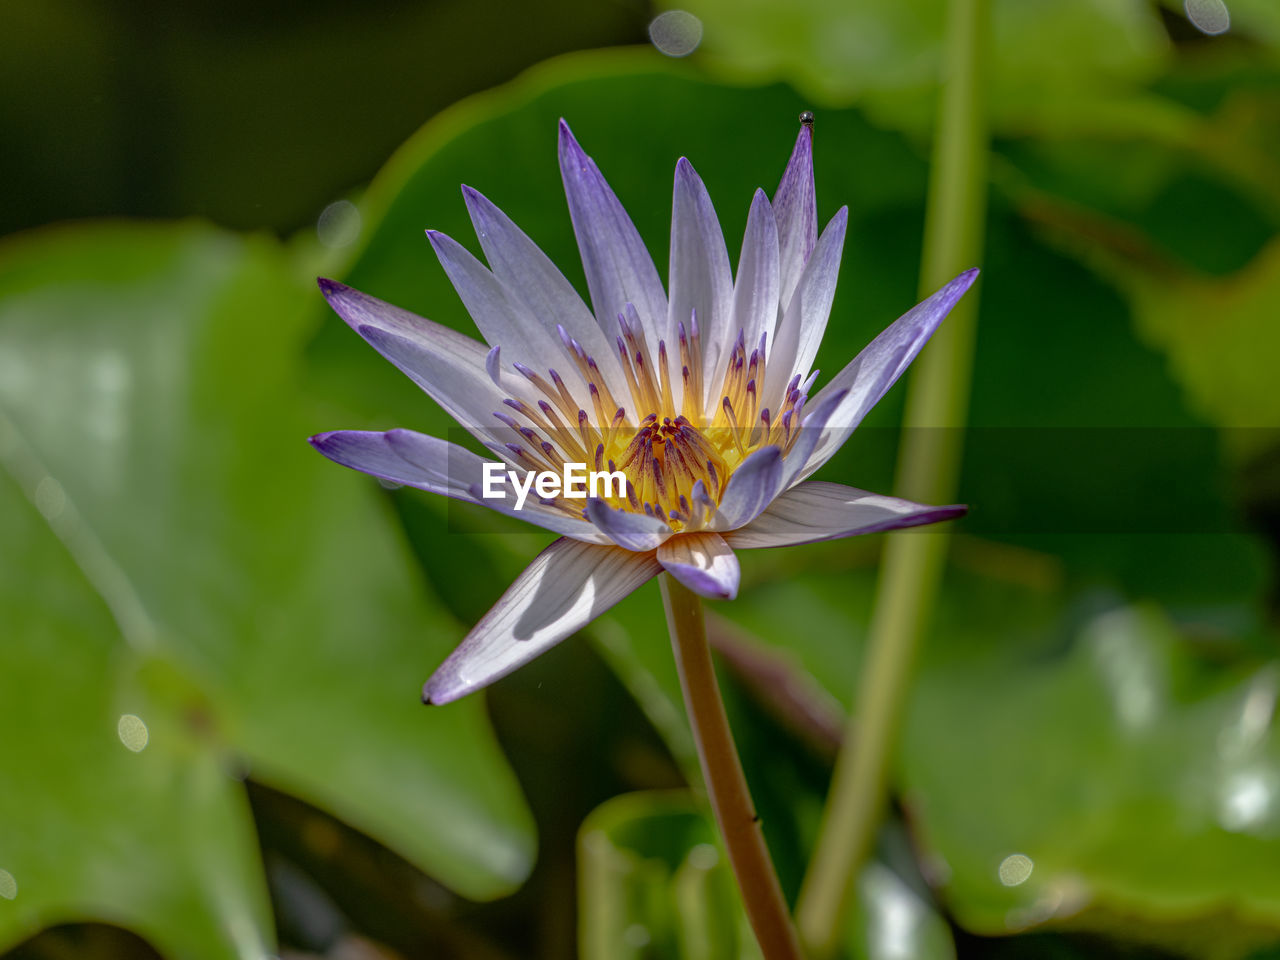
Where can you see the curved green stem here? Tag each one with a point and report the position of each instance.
(726, 786)
(928, 471)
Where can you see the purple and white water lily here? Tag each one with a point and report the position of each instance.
(700, 395)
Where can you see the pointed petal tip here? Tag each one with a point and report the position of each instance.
(329, 287)
(567, 139)
(436, 692)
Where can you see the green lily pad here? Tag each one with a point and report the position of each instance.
(176, 553)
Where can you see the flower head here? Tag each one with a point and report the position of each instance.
(698, 395)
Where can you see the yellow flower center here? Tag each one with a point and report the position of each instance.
(677, 463)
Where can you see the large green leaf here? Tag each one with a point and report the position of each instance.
(1133, 787)
(174, 551)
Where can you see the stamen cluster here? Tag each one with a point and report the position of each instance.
(677, 451)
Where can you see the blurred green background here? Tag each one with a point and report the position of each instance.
(213, 640)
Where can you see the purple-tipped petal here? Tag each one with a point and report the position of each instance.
(437, 466)
(817, 511)
(494, 309)
(757, 285)
(631, 531)
(805, 320)
(699, 279)
(795, 205)
(566, 587)
(535, 284)
(463, 390)
(360, 310)
(618, 266)
(877, 368)
(703, 562)
(450, 367)
(751, 488)
(371, 452)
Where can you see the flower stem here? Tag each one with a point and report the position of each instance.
(726, 786)
(928, 471)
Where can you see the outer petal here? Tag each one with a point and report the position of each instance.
(618, 267)
(805, 321)
(435, 465)
(566, 587)
(703, 562)
(872, 372)
(464, 392)
(450, 367)
(826, 511)
(751, 488)
(536, 284)
(493, 308)
(699, 277)
(795, 205)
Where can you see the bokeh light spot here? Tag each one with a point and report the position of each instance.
(1208, 16)
(1015, 869)
(339, 225)
(1245, 801)
(133, 732)
(676, 33)
(8, 885)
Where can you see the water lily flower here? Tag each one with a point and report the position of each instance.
(700, 394)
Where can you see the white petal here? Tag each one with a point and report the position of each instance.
(618, 267)
(703, 562)
(756, 288)
(495, 313)
(699, 277)
(816, 511)
(796, 208)
(873, 371)
(537, 285)
(435, 465)
(450, 367)
(566, 587)
(800, 331)
(464, 391)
